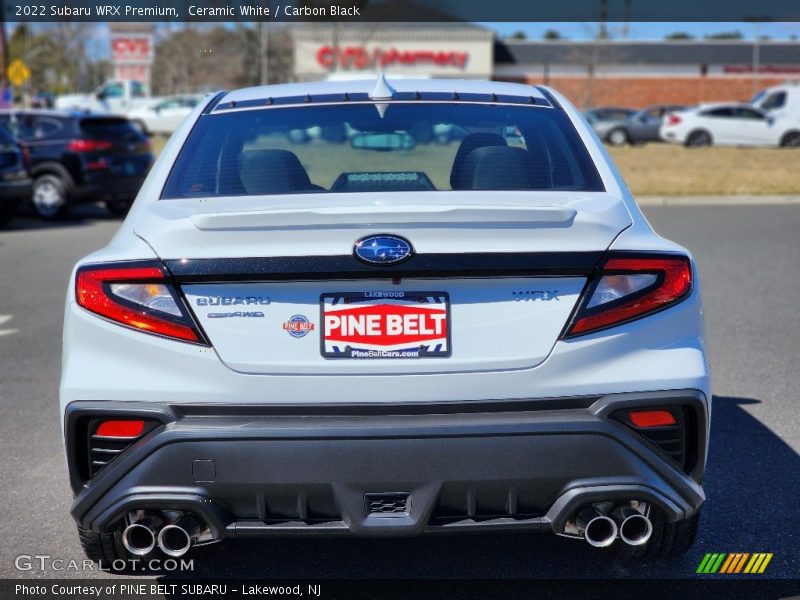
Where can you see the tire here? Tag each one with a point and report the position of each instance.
(698, 139)
(118, 208)
(105, 549)
(617, 137)
(49, 197)
(791, 140)
(667, 540)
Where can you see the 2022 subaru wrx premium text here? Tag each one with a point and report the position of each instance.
(320, 318)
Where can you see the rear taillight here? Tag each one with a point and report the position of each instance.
(630, 287)
(84, 145)
(673, 119)
(137, 295)
(26, 156)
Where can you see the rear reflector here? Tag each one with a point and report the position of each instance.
(644, 419)
(629, 287)
(120, 429)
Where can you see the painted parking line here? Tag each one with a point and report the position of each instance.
(3, 320)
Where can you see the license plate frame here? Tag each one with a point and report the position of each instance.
(430, 303)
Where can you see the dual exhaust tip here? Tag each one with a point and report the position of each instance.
(174, 539)
(600, 531)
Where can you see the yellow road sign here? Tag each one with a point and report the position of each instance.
(18, 73)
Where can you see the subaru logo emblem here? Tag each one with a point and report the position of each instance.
(382, 249)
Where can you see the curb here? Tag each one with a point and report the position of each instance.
(717, 200)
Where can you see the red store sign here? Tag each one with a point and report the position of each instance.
(764, 69)
(132, 48)
(359, 57)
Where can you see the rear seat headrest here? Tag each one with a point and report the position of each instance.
(500, 168)
(273, 172)
(468, 144)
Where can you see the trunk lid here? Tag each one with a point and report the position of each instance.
(490, 287)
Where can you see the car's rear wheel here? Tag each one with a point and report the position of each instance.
(698, 139)
(49, 198)
(617, 137)
(791, 140)
(106, 549)
(118, 208)
(667, 539)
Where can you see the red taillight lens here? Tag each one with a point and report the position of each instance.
(673, 119)
(138, 296)
(630, 287)
(26, 156)
(120, 429)
(644, 419)
(89, 145)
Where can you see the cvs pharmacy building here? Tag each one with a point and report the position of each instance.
(407, 49)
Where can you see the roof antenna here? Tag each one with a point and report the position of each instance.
(382, 89)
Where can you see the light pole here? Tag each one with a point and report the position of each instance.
(756, 66)
(263, 37)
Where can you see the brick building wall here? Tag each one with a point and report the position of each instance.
(638, 92)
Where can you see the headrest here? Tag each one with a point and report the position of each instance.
(273, 172)
(499, 168)
(468, 144)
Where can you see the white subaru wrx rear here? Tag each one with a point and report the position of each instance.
(357, 308)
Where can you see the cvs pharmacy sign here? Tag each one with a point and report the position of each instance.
(132, 48)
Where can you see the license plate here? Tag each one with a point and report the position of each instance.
(385, 324)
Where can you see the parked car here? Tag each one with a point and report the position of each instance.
(604, 118)
(380, 336)
(729, 124)
(116, 96)
(78, 157)
(780, 101)
(163, 116)
(15, 178)
(642, 126)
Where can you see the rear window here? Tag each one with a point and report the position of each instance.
(109, 128)
(5, 136)
(369, 147)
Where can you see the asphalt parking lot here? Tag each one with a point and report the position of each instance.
(748, 259)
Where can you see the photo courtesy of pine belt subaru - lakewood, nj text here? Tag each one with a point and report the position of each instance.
(385, 308)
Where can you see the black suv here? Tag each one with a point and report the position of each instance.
(15, 180)
(79, 157)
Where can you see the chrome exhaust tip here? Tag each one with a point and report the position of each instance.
(138, 539)
(597, 529)
(636, 530)
(176, 539)
(600, 532)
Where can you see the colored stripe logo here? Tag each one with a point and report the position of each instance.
(734, 562)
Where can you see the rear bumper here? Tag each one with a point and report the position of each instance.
(15, 191)
(271, 470)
